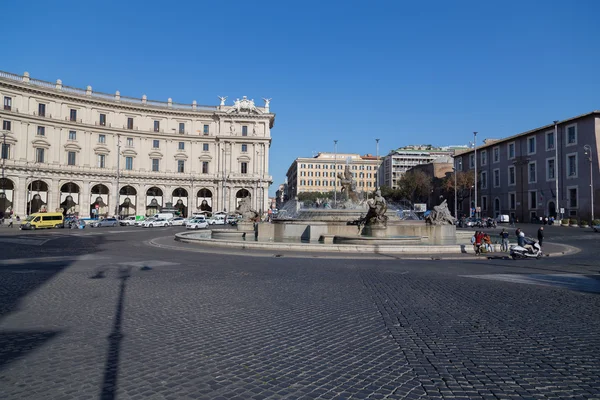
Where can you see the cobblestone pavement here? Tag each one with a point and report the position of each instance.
(107, 317)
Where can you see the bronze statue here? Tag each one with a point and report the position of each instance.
(440, 215)
(244, 208)
(348, 184)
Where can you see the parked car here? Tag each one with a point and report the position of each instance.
(177, 221)
(127, 221)
(197, 223)
(152, 222)
(218, 219)
(105, 222)
(139, 222)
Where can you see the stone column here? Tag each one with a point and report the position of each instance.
(20, 196)
(84, 199)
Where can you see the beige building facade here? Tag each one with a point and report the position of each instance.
(318, 174)
(89, 153)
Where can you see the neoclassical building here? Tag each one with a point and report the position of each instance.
(91, 153)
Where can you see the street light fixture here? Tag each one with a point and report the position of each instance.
(588, 152)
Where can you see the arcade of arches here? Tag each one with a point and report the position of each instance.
(29, 196)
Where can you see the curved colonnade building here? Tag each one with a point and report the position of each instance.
(90, 154)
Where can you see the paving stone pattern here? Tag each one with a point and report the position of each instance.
(488, 341)
(288, 329)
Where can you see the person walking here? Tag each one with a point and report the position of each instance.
(10, 221)
(504, 237)
(541, 235)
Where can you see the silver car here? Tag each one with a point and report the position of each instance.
(105, 222)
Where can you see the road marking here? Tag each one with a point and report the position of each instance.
(586, 283)
(148, 263)
(19, 261)
(25, 240)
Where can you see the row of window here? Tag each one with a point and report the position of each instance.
(532, 175)
(332, 174)
(310, 182)
(531, 148)
(339, 166)
(102, 118)
(535, 200)
(40, 157)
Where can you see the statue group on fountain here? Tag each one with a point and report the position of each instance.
(246, 211)
(376, 214)
(440, 215)
(348, 185)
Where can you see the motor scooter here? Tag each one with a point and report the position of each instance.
(531, 249)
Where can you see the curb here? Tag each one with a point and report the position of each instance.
(207, 249)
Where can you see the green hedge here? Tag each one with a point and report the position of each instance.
(572, 221)
(596, 222)
(565, 221)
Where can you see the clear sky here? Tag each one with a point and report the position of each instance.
(406, 72)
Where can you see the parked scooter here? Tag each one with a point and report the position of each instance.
(531, 249)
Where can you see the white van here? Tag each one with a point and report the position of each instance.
(166, 216)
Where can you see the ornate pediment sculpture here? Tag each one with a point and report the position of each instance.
(244, 105)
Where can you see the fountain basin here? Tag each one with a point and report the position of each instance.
(388, 247)
(380, 241)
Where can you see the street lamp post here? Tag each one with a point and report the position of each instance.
(377, 170)
(556, 175)
(118, 175)
(335, 173)
(455, 195)
(470, 199)
(4, 157)
(588, 152)
(475, 147)
(224, 152)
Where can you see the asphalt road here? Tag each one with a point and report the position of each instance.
(103, 314)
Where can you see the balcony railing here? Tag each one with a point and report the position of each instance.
(117, 98)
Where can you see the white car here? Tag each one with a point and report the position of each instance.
(197, 223)
(128, 221)
(152, 222)
(177, 221)
(217, 220)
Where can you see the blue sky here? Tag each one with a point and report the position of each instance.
(404, 72)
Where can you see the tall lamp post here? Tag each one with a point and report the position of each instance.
(335, 173)
(475, 147)
(588, 152)
(224, 178)
(556, 175)
(455, 195)
(4, 157)
(118, 175)
(377, 170)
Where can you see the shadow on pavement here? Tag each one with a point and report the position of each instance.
(111, 367)
(17, 281)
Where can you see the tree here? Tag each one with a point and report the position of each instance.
(464, 182)
(415, 186)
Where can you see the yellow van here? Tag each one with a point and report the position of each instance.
(43, 220)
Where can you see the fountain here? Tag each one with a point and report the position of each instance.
(352, 225)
